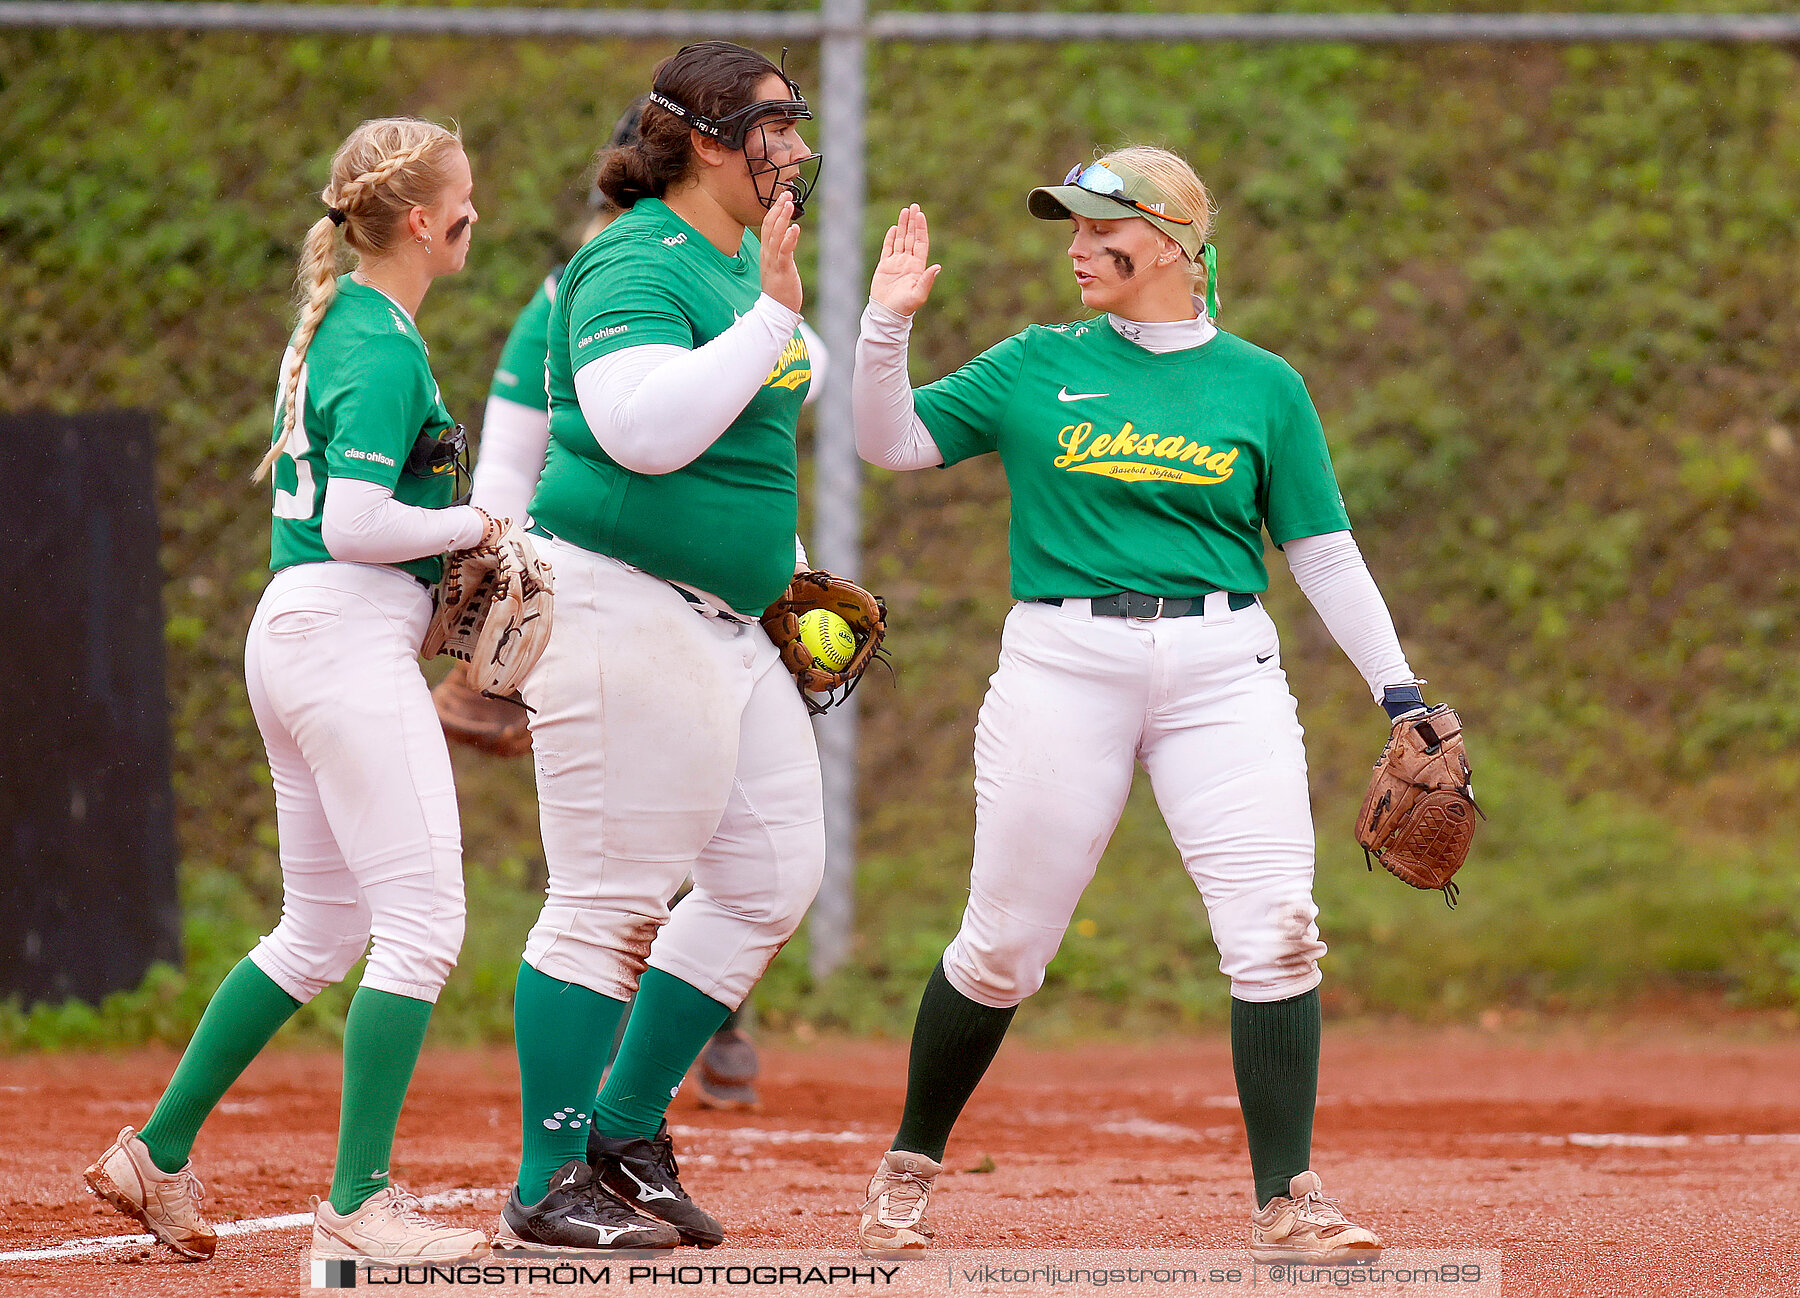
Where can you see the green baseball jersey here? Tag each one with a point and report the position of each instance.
(519, 377)
(1132, 470)
(725, 522)
(366, 396)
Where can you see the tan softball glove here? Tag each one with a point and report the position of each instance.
(494, 609)
(1418, 819)
(866, 616)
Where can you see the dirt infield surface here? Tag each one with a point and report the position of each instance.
(1655, 1161)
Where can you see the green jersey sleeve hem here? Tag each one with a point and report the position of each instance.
(523, 405)
(379, 474)
(624, 298)
(1317, 527)
(387, 396)
(964, 410)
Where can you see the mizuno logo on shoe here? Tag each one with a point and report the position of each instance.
(1066, 395)
(603, 1234)
(645, 1191)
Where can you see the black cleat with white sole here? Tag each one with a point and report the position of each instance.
(579, 1215)
(643, 1173)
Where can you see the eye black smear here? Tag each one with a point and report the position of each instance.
(1127, 267)
(456, 231)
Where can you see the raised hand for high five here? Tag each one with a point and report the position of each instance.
(780, 276)
(903, 277)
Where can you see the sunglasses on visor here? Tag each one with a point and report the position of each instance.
(1096, 179)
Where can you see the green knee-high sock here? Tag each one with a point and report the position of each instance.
(243, 1014)
(618, 1036)
(1275, 1053)
(383, 1034)
(953, 1042)
(561, 1030)
(671, 1022)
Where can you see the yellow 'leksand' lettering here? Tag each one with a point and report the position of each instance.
(1070, 439)
(1082, 452)
(793, 353)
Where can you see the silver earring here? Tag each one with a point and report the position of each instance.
(424, 239)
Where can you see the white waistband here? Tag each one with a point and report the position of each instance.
(703, 603)
(377, 580)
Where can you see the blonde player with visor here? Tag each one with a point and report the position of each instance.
(1146, 450)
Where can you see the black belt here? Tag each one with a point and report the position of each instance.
(1131, 604)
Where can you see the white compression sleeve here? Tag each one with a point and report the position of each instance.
(1331, 572)
(658, 407)
(889, 432)
(363, 523)
(514, 439)
(820, 360)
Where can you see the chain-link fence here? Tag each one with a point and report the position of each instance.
(1542, 294)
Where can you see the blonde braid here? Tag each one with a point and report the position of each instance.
(384, 169)
(316, 288)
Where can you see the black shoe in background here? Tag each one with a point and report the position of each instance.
(725, 1077)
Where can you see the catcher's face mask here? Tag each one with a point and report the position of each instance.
(764, 133)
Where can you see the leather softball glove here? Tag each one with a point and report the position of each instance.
(866, 614)
(496, 726)
(494, 609)
(1418, 819)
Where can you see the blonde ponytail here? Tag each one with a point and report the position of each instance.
(315, 288)
(386, 168)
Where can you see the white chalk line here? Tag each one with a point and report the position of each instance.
(1148, 1130)
(467, 1198)
(766, 1136)
(1636, 1140)
(249, 1226)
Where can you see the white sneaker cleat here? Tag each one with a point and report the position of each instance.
(390, 1228)
(1308, 1227)
(167, 1203)
(893, 1226)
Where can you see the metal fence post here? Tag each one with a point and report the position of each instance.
(836, 541)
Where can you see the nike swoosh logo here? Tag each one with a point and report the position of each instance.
(646, 1192)
(603, 1234)
(1265, 659)
(1066, 395)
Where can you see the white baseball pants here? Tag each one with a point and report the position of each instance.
(365, 805)
(1076, 703)
(667, 742)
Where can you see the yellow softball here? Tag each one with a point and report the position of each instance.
(829, 638)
